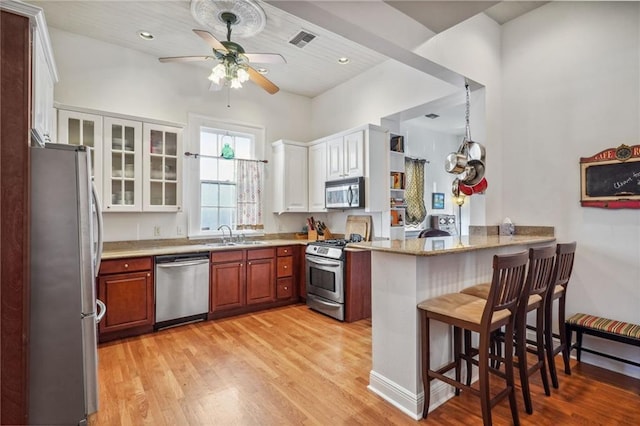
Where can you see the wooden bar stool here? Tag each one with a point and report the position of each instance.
(539, 277)
(565, 254)
(465, 312)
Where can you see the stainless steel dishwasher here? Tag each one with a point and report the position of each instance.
(182, 288)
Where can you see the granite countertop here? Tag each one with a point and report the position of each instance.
(436, 246)
(125, 249)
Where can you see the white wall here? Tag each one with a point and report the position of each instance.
(385, 89)
(571, 89)
(106, 77)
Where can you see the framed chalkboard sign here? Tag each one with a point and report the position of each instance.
(611, 178)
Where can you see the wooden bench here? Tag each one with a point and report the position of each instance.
(604, 328)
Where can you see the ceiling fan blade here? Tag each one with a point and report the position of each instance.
(185, 58)
(266, 58)
(211, 40)
(262, 81)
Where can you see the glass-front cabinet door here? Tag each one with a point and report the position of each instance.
(78, 128)
(122, 165)
(162, 147)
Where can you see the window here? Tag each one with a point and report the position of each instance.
(223, 191)
(218, 177)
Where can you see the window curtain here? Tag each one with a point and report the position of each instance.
(249, 189)
(414, 192)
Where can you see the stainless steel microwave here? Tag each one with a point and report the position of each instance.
(344, 194)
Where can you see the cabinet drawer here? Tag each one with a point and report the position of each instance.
(227, 256)
(285, 251)
(125, 265)
(284, 288)
(261, 253)
(285, 266)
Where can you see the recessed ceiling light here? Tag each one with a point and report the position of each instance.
(262, 70)
(145, 35)
(343, 60)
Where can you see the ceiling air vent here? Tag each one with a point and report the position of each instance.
(302, 39)
(432, 116)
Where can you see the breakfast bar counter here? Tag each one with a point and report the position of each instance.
(405, 272)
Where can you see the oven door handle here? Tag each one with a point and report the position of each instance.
(324, 262)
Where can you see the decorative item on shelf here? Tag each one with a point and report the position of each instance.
(468, 163)
(397, 180)
(394, 218)
(397, 143)
(398, 203)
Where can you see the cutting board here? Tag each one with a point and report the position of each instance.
(358, 224)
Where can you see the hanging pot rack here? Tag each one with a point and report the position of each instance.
(468, 162)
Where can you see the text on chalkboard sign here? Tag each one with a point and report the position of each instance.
(611, 178)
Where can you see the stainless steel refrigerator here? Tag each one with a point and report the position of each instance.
(66, 246)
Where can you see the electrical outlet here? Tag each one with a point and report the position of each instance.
(179, 230)
(156, 231)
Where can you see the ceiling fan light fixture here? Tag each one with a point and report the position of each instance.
(217, 73)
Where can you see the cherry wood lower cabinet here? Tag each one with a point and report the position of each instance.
(284, 275)
(261, 266)
(126, 287)
(226, 281)
(301, 271)
(357, 285)
(250, 280)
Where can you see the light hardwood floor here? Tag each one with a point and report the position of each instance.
(292, 366)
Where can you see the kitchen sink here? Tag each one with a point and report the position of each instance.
(236, 243)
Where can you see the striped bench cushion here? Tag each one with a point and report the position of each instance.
(603, 324)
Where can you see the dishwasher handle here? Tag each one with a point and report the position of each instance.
(181, 264)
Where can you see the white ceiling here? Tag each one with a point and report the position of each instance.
(383, 30)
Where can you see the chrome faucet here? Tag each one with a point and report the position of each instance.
(230, 233)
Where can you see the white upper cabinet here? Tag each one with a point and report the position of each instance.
(79, 128)
(290, 177)
(345, 156)
(44, 78)
(354, 154)
(136, 165)
(317, 176)
(162, 160)
(122, 165)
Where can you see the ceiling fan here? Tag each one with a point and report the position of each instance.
(233, 67)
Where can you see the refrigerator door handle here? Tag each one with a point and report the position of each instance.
(103, 310)
(98, 254)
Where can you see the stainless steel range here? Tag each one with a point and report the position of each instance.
(325, 261)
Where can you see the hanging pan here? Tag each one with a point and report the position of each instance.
(474, 172)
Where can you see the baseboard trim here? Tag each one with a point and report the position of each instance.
(406, 401)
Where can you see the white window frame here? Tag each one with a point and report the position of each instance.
(192, 168)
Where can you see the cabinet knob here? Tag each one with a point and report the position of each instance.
(286, 288)
(286, 251)
(249, 263)
(285, 266)
(126, 265)
(148, 274)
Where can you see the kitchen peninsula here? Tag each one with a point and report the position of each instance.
(405, 272)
